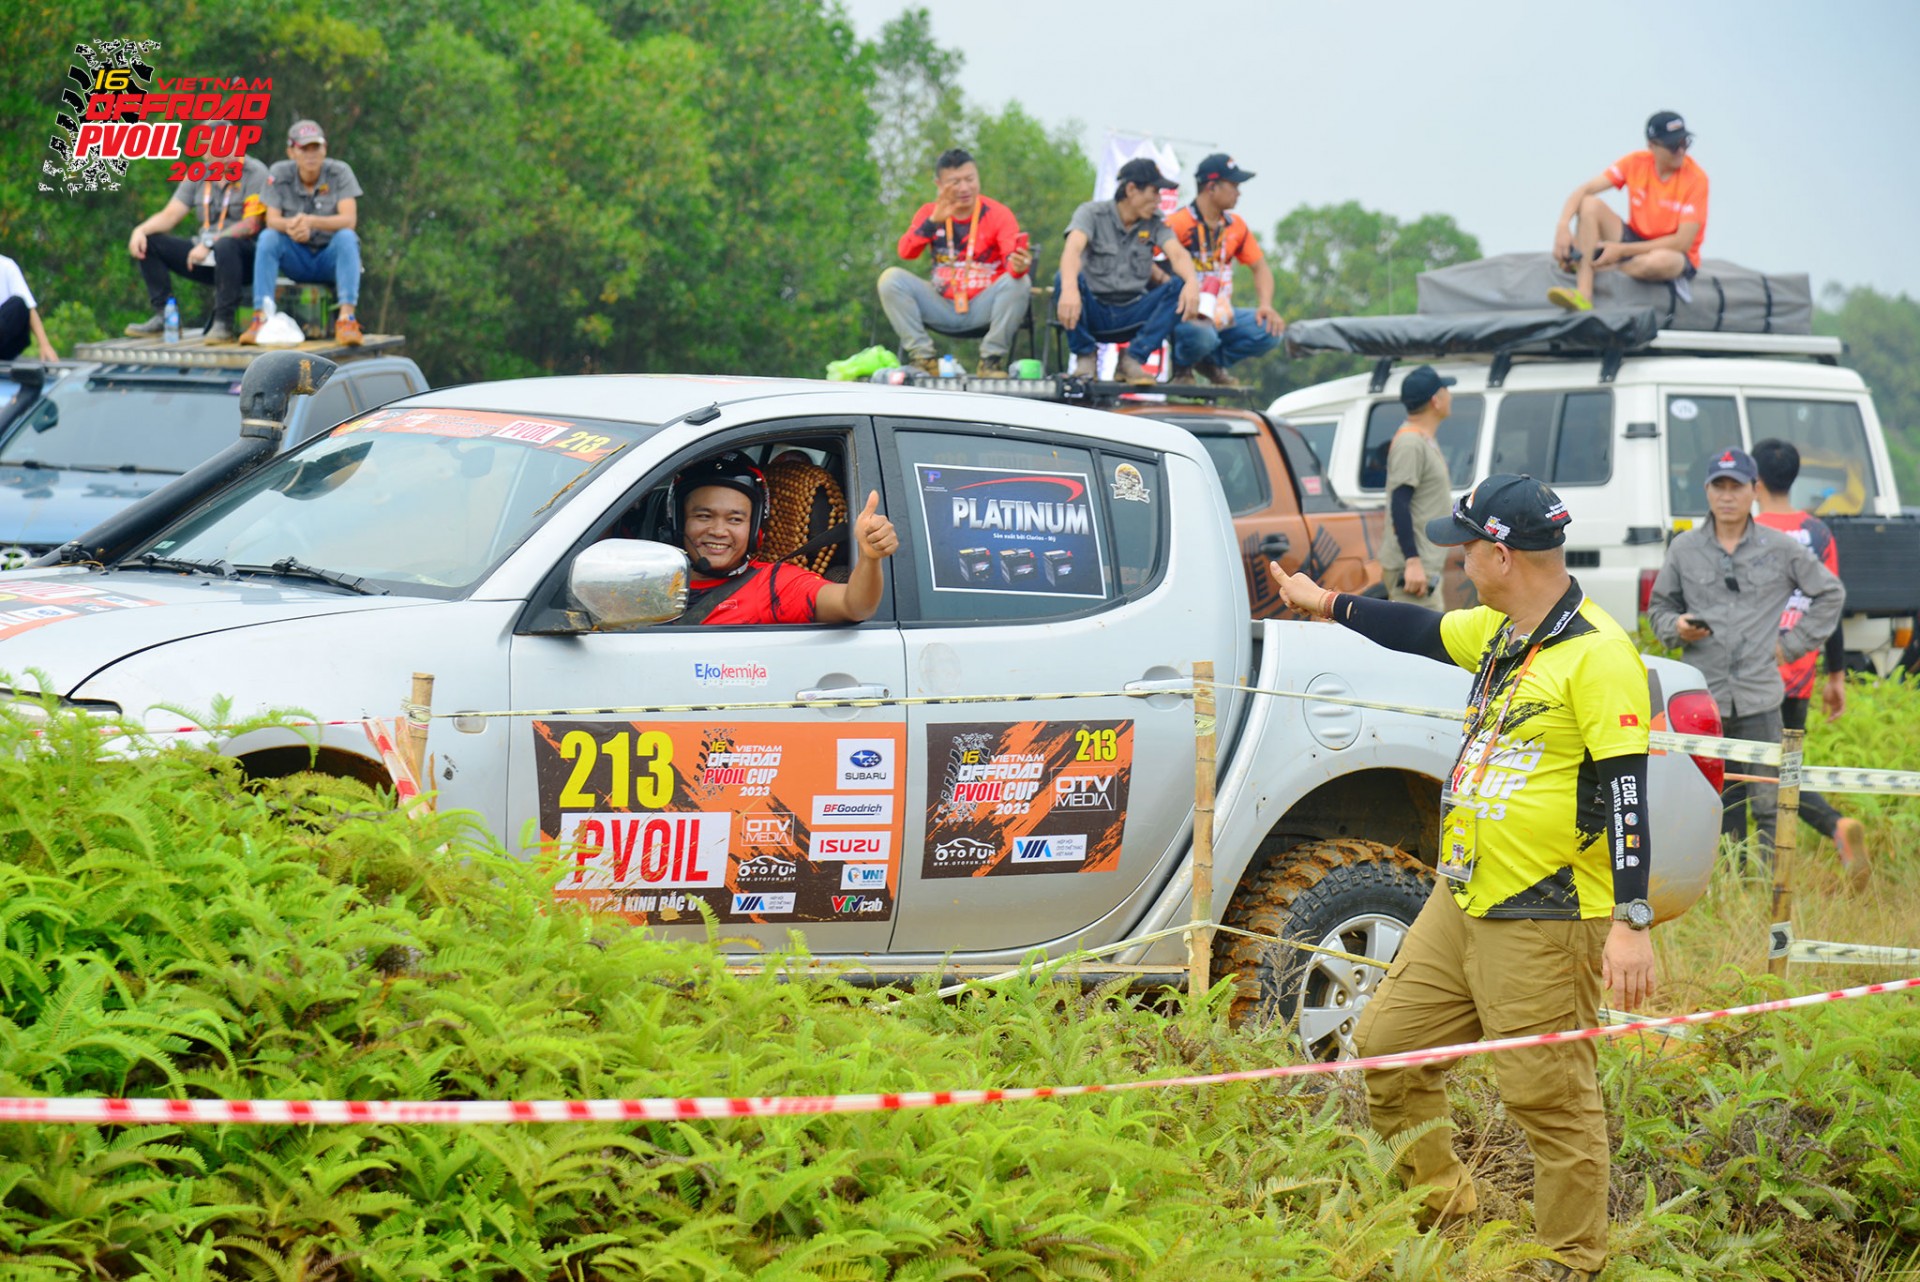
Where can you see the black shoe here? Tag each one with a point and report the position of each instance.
(219, 332)
(154, 324)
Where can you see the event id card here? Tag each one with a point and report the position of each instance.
(1459, 836)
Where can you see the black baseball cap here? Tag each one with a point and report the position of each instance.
(1219, 167)
(1735, 463)
(1422, 385)
(1513, 511)
(1667, 129)
(1142, 172)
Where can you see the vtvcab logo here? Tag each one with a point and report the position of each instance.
(854, 904)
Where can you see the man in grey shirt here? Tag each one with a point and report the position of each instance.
(220, 254)
(313, 207)
(1419, 490)
(1106, 291)
(1720, 596)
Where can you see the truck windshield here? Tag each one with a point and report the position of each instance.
(423, 502)
(98, 425)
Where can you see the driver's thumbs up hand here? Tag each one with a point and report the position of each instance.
(873, 533)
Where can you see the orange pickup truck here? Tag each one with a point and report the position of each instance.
(1284, 507)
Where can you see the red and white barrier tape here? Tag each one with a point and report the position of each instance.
(405, 786)
(481, 1112)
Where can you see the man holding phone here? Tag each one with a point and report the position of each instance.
(1720, 596)
(980, 266)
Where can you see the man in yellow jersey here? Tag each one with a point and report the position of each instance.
(1544, 856)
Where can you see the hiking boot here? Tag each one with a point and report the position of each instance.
(154, 324)
(251, 335)
(1850, 839)
(928, 364)
(991, 367)
(1087, 366)
(1182, 374)
(219, 332)
(1132, 371)
(1570, 299)
(1216, 373)
(346, 332)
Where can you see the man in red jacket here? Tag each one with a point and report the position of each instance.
(1779, 464)
(980, 264)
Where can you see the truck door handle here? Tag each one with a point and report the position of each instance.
(1275, 546)
(841, 692)
(1162, 685)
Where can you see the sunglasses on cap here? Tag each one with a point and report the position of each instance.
(1460, 515)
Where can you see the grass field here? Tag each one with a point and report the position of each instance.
(168, 931)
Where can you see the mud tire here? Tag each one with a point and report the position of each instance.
(1320, 892)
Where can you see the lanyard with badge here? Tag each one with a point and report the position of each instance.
(1208, 258)
(960, 282)
(210, 230)
(1460, 811)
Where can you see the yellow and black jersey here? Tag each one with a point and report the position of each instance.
(1539, 719)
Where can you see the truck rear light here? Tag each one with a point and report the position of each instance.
(1903, 636)
(1646, 588)
(1694, 712)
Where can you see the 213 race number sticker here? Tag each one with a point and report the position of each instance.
(1028, 797)
(757, 821)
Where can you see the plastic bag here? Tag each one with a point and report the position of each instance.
(862, 365)
(281, 331)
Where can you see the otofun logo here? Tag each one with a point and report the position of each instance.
(964, 852)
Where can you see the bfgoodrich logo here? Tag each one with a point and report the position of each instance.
(780, 903)
(853, 810)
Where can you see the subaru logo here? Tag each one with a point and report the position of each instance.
(865, 758)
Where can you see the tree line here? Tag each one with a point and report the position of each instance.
(561, 186)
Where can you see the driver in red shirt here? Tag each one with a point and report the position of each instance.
(722, 508)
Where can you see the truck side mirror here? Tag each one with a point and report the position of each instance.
(626, 583)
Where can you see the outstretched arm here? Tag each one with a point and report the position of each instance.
(1410, 629)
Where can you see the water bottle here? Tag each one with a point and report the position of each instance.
(949, 367)
(172, 321)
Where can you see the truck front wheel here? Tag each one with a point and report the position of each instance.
(1356, 896)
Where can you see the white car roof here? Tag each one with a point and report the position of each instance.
(661, 398)
(1580, 375)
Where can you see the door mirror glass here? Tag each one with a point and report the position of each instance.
(629, 583)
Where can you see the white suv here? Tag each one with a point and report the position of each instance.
(1625, 441)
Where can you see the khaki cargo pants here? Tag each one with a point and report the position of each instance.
(1459, 979)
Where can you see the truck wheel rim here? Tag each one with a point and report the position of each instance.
(1334, 991)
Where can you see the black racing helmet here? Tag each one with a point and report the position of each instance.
(733, 470)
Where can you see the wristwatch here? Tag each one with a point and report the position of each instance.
(1637, 913)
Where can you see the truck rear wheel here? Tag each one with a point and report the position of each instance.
(1357, 896)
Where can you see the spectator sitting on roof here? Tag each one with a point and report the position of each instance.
(1106, 274)
(19, 313)
(231, 210)
(720, 505)
(1217, 240)
(980, 263)
(1666, 218)
(313, 207)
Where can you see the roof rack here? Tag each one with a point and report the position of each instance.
(1067, 389)
(196, 352)
(1610, 335)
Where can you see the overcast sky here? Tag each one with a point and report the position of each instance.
(1805, 113)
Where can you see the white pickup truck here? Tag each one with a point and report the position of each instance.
(506, 538)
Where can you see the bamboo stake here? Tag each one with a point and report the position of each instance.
(413, 733)
(1786, 841)
(1200, 933)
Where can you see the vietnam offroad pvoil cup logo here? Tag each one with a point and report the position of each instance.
(115, 109)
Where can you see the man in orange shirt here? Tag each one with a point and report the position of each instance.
(1216, 240)
(980, 263)
(1666, 219)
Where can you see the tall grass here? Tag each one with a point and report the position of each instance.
(170, 931)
